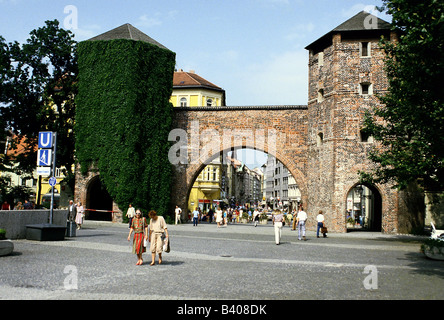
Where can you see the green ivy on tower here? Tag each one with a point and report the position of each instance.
(123, 117)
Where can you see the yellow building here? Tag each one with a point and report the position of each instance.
(206, 190)
(191, 90)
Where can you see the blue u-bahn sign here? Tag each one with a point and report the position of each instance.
(45, 140)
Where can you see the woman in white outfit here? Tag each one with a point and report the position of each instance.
(278, 218)
(79, 215)
(219, 217)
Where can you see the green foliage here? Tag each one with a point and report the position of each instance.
(410, 124)
(123, 118)
(2, 234)
(35, 77)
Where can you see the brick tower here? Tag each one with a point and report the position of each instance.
(345, 72)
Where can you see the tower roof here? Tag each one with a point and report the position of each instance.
(127, 31)
(362, 22)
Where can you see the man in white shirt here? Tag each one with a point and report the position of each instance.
(320, 219)
(178, 212)
(131, 213)
(300, 221)
(195, 217)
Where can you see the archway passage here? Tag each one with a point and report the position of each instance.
(98, 202)
(364, 209)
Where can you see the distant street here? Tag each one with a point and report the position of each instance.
(207, 263)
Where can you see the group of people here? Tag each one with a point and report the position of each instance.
(76, 213)
(156, 232)
(19, 206)
(299, 220)
(222, 217)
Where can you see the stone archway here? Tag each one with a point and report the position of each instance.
(281, 133)
(98, 202)
(84, 186)
(195, 169)
(364, 207)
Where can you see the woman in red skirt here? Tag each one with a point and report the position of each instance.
(140, 228)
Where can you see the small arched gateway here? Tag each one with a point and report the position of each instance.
(98, 202)
(364, 208)
(95, 199)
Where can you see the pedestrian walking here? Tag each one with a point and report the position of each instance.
(178, 213)
(195, 217)
(278, 218)
(130, 213)
(80, 214)
(321, 225)
(256, 216)
(139, 226)
(158, 229)
(72, 211)
(219, 217)
(293, 225)
(300, 222)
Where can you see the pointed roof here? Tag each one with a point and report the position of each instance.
(127, 31)
(182, 79)
(362, 22)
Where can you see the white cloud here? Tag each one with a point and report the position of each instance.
(147, 22)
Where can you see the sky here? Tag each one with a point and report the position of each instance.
(253, 49)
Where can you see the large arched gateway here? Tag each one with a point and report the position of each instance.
(203, 133)
(321, 144)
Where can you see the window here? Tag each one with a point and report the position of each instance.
(183, 102)
(320, 95)
(366, 88)
(209, 102)
(365, 49)
(320, 59)
(366, 137)
(320, 139)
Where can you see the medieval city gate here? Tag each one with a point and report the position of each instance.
(321, 144)
(277, 130)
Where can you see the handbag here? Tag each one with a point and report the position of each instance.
(324, 230)
(166, 244)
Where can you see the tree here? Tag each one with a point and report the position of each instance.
(37, 90)
(409, 126)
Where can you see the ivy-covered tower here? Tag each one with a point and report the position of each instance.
(123, 117)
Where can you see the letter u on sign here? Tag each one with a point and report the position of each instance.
(45, 139)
